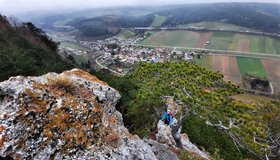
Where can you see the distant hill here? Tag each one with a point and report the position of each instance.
(26, 50)
(265, 17)
(47, 20)
(108, 25)
(106, 22)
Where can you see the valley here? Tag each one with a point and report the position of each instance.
(181, 81)
(233, 54)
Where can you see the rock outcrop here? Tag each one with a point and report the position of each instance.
(72, 115)
(173, 137)
(64, 116)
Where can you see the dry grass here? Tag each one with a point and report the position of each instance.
(62, 82)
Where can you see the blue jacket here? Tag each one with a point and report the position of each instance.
(165, 116)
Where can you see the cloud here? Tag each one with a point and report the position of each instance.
(20, 6)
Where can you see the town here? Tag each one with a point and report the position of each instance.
(119, 55)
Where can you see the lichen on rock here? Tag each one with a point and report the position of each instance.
(69, 115)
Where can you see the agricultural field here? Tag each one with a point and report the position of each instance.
(205, 62)
(218, 41)
(126, 34)
(272, 68)
(251, 66)
(203, 38)
(225, 64)
(73, 45)
(234, 67)
(177, 38)
(243, 43)
(216, 26)
(158, 21)
(228, 66)
(81, 59)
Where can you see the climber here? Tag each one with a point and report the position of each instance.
(167, 118)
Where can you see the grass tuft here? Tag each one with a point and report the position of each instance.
(63, 82)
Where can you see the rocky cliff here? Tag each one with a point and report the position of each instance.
(71, 115)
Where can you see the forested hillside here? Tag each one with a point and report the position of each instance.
(265, 17)
(26, 50)
(109, 25)
(215, 121)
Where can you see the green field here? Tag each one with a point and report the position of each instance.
(158, 21)
(216, 26)
(258, 44)
(172, 38)
(126, 34)
(272, 46)
(205, 62)
(220, 40)
(251, 66)
(81, 59)
(73, 45)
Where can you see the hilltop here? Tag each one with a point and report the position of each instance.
(27, 50)
(264, 17)
(218, 114)
(214, 119)
(107, 22)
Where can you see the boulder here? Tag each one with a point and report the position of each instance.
(162, 151)
(172, 136)
(71, 115)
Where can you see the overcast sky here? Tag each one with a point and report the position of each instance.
(9, 7)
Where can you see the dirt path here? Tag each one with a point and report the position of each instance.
(228, 66)
(203, 38)
(272, 67)
(243, 45)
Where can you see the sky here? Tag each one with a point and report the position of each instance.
(13, 7)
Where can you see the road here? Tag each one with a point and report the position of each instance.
(274, 35)
(101, 66)
(221, 52)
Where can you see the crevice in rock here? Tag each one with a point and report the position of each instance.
(6, 158)
(176, 131)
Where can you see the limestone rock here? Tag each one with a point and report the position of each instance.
(165, 134)
(162, 151)
(71, 115)
(187, 145)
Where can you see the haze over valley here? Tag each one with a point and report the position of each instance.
(121, 67)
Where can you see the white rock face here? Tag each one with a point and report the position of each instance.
(72, 115)
(64, 116)
(187, 145)
(165, 136)
(162, 151)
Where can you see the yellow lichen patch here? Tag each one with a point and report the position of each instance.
(34, 103)
(2, 128)
(3, 140)
(113, 120)
(97, 107)
(31, 93)
(74, 118)
(86, 94)
(40, 86)
(17, 156)
(85, 75)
